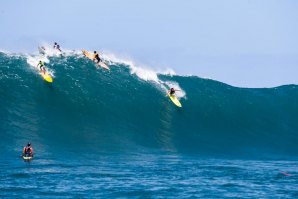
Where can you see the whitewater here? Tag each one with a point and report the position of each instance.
(99, 133)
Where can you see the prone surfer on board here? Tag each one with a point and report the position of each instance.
(96, 57)
(28, 150)
(41, 66)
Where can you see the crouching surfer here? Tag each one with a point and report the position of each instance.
(172, 91)
(96, 58)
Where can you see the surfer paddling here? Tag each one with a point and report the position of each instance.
(28, 150)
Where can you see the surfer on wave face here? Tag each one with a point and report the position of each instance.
(57, 46)
(96, 57)
(172, 91)
(41, 66)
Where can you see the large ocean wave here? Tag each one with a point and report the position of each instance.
(126, 109)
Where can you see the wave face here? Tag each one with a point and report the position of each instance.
(88, 110)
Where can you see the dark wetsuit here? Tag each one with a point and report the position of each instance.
(41, 65)
(96, 58)
(172, 92)
(56, 46)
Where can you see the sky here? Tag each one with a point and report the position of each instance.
(246, 43)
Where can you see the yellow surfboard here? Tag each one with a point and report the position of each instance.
(174, 100)
(90, 56)
(46, 77)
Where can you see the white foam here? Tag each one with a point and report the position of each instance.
(33, 61)
(11, 54)
(180, 93)
(167, 71)
(147, 74)
(49, 50)
(4, 51)
(143, 72)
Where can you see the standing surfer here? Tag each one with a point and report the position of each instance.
(41, 66)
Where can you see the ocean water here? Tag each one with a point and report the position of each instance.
(101, 134)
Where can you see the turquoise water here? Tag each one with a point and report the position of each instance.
(146, 176)
(113, 134)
